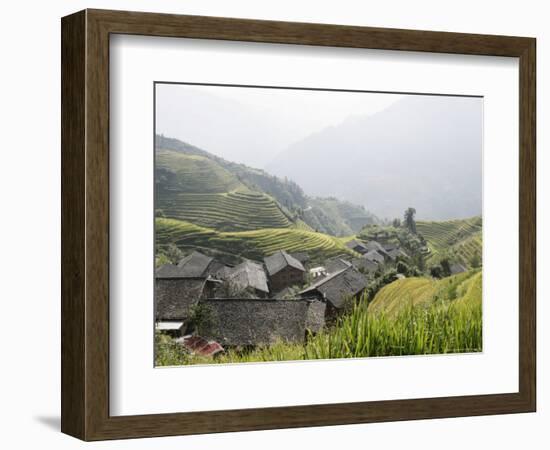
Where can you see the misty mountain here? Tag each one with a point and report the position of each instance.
(422, 151)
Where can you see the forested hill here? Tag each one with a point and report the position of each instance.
(199, 187)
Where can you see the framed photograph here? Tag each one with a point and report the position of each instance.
(273, 225)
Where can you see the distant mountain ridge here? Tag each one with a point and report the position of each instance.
(199, 187)
(422, 151)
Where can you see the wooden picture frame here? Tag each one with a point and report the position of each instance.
(85, 224)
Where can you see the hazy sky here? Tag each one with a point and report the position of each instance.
(251, 125)
(384, 151)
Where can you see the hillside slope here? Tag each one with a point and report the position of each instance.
(253, 244)
(196, 186)
(463, 289)
(338, 218)
(198, 189)
(460, 239)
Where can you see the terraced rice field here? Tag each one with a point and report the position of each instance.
(301, 225)
(199, 190)
(464, 288)
(193, 173)
(251, 244)
(232, 211)
(461, 237)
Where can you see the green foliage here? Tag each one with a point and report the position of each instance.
(173, 253)
(396, 223)
(168, 352)
(200, 318)
(445, 267)
(436, 271)
(402, 268)
(380, 281)
(475, 260)
(409, 219)
(161, 259)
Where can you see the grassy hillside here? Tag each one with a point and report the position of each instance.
(460, 238)
(251, 244)
(193, 174)
(199, 190)
(464, 288)
(336, 217)
(238, 197)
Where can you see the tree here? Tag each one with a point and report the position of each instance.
(396, 223)
(445, 267)
(475, 260)
(435, 271)
(418, 260)
(409, 219)
(173, 253)
(402, 268)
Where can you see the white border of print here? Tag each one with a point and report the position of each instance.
(136, 387)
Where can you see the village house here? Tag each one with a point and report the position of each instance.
(284, 270)
(365, 265)
(254, 322)
(303, 257)
(194, 265)
(375, 257)
(337, 290)
(374, 246)
(175, 298)
(395, 251)
(336, 264)
(357, 246)
(249, 274)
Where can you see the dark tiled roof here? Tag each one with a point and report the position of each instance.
(249, 274)
(244, 322)
(168, 271)
(336, 264)
(174, 297)
(195, 265)
(374, 255)
(364, 264)
(390, 246)
(395, 252)
(353, 244)
(223, 272)
(376, 246)
(336, 288)
(279, 260)
(303, 257)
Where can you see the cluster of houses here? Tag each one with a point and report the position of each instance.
(286, 298)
